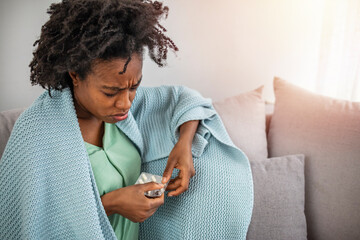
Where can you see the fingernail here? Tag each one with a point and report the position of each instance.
(164, 180)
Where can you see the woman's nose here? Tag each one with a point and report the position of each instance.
(123, 102)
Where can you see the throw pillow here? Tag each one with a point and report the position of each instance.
(278, 199)
(244, 119)
(327, 131)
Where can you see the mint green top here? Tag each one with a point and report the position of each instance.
(115, 165)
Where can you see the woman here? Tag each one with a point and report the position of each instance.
(89, 58)
(104, 82)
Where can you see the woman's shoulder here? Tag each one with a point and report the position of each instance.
(35, 109)
(45, 107)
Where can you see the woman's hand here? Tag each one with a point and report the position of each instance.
(181, 158)
(131, 203)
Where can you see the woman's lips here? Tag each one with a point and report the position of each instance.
(120, 117)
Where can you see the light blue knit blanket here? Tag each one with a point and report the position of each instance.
(48, 191)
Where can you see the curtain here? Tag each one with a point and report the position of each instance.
(339, 58)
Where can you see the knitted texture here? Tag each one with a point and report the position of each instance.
(47, 188)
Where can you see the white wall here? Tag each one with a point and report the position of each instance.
(20, 24)
(226, 47)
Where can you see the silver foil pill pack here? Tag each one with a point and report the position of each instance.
(148, 177)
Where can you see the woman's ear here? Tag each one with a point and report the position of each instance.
(75, 78)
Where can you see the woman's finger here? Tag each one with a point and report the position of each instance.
(184, 185)
(156, 202)
(174, 184)
(168, 170)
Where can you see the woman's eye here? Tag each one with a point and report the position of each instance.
(110, 94)
(133, 88)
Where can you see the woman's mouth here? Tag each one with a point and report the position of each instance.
(120, 117)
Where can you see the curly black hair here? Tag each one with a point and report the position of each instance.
(82, 31)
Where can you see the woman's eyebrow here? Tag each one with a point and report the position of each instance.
(119, 89)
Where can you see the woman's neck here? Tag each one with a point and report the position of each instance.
(92, 129)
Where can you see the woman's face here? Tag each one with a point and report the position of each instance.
(104, 93)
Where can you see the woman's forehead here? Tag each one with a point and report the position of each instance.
(108, 72)
(116, 65)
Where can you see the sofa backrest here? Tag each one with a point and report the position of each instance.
(7, 121)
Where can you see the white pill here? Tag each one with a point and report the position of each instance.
(141, 181)
(144, 177)
(153, 178)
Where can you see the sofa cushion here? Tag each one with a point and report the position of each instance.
(327, 131)
(278, 199)
(7, 121)
(244, 119)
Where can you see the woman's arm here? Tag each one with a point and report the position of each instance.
(181, 158)
(159, 113)
(187, 132)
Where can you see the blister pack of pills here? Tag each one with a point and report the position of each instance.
(148, 177)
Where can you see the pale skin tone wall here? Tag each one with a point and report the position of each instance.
(106, 96)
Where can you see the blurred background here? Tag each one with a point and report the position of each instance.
(226, 47)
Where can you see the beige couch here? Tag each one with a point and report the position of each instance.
(305, 158)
